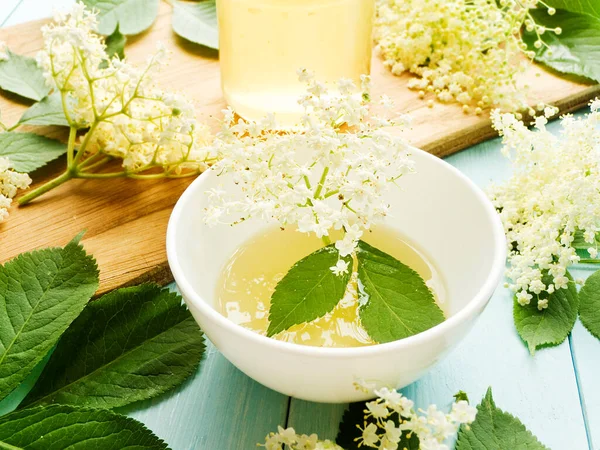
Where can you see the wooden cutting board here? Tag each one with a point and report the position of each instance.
(126, 219)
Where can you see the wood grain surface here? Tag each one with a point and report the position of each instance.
(126, 219)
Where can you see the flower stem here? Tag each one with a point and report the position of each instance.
(321, 182)
(45, 188)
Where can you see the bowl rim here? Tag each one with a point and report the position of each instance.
(479, 300)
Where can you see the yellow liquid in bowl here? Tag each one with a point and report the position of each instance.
(249, 278)
(262, 43)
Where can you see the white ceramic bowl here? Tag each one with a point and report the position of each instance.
(439, 209)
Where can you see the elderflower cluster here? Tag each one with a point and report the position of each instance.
(332, 173)
(465, 52)
(128, 115)
(386, 420)
(10, 181)
(552, 195)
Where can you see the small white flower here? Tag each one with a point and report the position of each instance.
(369, 435)
(340, 268)
(462, 412)
(377, 410)
(10, 183)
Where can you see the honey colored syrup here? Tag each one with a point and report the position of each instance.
(249, 278)
(262, 44)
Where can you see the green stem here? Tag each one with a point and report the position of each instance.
(5, 446)
(101, 175)
(45, 187)
(326, 240)
(321, 182)
(71, 147)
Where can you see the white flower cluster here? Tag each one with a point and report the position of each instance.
(329, 174)
(127, 114)
(552, 194)
(10, 181)
(380, 432)
(465, 52)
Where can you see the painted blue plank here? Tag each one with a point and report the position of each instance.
(585, 349)
(26, 10)
(219, 408)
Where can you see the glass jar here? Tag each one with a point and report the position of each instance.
(264, 42)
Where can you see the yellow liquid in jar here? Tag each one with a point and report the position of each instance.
(249, 278)
(262, 43)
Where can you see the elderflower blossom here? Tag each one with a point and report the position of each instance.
(330, 174)
(465, 52)
(10, 181)
(551, 197)
(128, 115)
(386, 420)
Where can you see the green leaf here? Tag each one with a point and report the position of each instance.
(308, 291)
(20, 75)
(48, 111)
(196, 22)
(62, 426)
(493, 429)
(461, 395)
(41, 293)
(576, 50)
(550, 326)
(349, 434)
(29, 151)
(129, 16)
(591, 7)
(589, 304)
(130, 345)
(115, 44)
(399, 302)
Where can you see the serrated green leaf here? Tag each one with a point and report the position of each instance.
(493, 429)
(552, 325)
(48, 111)
(115, 44)
(576, 50)
(20, 75)
(399, 302)
(196, 22)
(590, 7)
(131, 16)
(62, 426)
(132, 344)
(589, 304)
(349, 434)
(41, 293)
(29, 151)
(308, 291)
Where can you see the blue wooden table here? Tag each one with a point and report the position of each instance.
(555, 393)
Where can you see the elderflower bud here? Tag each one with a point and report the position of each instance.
(10, 182)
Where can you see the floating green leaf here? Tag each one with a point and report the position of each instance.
(48, 111)
(29, 151)
(115, 44)
(308, 291)
(132, 344)
(41, 293)
(589, 304)
(552, 325)
(20, 75)
(493, 429)
(399, 302)
(130, 16)
(62, 426)
(196, 22)
(591, 7)
(576, 50)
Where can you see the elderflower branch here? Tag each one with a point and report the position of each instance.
(470, 52)
(307, 178)
(387, 419)
(117, 108)
(550, 200)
